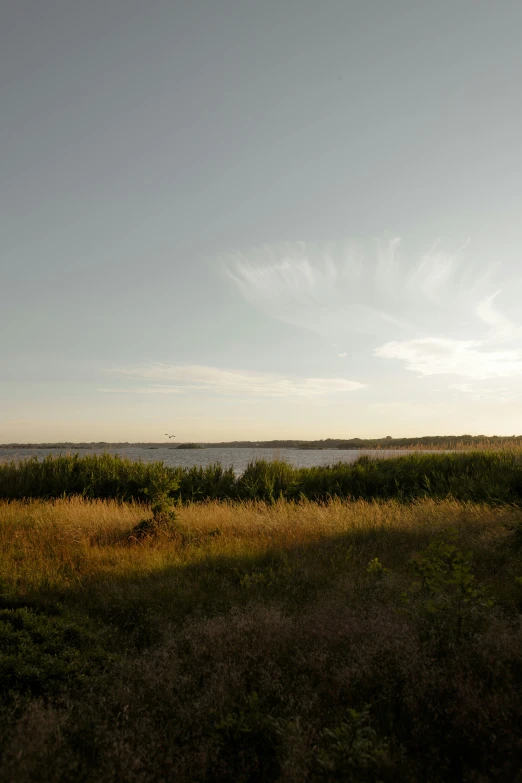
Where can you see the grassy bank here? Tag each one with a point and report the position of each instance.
(474, 476)
(353, 641)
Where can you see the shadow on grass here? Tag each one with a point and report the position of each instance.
(136, 607)
(258, 668)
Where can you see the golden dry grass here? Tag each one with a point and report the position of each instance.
(57, 544)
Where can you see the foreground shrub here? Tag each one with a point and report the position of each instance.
(446, 589)
(41, 655)
(256, 695)
(352, 750)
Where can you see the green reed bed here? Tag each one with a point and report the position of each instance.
(475, 476)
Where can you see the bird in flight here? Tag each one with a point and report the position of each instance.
(169, 436)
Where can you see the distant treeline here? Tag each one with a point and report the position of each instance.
(482, 476)
(433, 442)
(425, 442)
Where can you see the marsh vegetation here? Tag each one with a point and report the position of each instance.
(276, 638)
(474, 475)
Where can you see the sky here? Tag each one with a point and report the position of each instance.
(252, 220)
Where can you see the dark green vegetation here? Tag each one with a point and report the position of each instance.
(468, 476)
(189, 446)
(348, 641)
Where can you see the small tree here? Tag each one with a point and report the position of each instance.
(160, 491)
(446, 585)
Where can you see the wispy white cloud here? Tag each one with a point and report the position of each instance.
(144, 390)
(439, 356)
(314, 286)
(440, 274)
(501, 328)
(183, 378)
(338, 288)
(343, 355)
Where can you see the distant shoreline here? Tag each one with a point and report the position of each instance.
(433, 442)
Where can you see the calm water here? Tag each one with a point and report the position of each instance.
(237, 458)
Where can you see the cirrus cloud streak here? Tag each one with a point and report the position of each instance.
(175, 379)
(349, 287)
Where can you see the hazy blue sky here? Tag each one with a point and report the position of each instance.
(236, 219)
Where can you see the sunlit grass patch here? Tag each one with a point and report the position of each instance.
(67, 544)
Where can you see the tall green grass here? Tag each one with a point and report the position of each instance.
(470, 476)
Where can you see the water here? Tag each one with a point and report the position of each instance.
(236, 458)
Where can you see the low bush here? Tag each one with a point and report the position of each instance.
(42, 655)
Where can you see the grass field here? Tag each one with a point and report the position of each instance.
(253, 641)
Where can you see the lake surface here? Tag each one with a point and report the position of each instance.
(236, 458)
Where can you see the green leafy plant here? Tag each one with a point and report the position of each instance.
(352, 751)
(276, 574)
(446, 586)
(41, 654)
(376, 569)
